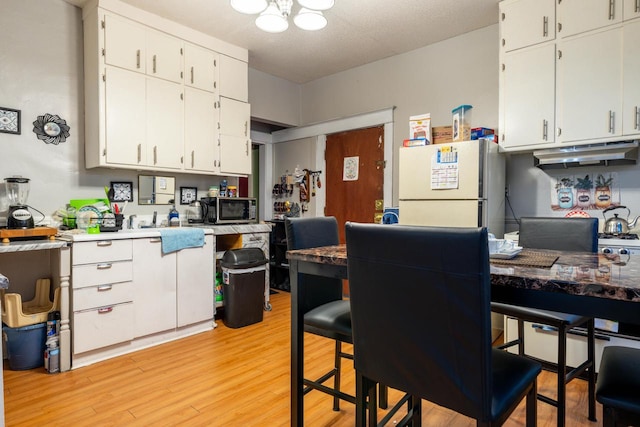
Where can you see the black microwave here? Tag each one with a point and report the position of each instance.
(230, 210)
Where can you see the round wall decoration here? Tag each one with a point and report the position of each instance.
(51, 129)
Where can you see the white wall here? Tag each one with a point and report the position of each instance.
(289, 155)
(41, 71)
(274, 100)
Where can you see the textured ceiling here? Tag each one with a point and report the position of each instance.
(359, 31)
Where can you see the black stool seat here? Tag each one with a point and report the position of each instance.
(618, 385)
(332, 320)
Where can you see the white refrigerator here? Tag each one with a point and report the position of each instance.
(459, 184)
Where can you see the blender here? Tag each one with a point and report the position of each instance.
(18, 215)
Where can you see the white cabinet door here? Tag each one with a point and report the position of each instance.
(154, 283)
(235, 142)
(631, 84)
(527, 22)
(196, 283)
(578, 16)
(200, 68)
(164, 56)
(234, 77)
(165, 124)
(125, 112)
(124, 43)
(589, 85)
(202, 152)
(528, 104)
(631, 9)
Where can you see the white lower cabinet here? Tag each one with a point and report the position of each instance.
(195, 272)
(102, 296)
(154, 280)
(543, 344)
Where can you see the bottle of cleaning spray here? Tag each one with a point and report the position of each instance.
(174, 216)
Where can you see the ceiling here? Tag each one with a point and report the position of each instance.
(359, 32)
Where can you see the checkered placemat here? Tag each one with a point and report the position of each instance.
(529, 258)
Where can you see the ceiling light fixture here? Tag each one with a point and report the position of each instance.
(274, 15)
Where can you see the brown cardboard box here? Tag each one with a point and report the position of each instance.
(442, 134)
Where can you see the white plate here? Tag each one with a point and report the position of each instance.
(508, 254)
(86, 216)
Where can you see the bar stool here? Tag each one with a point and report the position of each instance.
(569, 234)
(618, 387)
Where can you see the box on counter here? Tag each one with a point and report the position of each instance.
(477, 133)
(415, 142)
(442, 134)
(420, 127)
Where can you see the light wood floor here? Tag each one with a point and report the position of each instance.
(225, 377)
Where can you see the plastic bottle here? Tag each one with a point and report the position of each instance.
(223, 188)
(174, 217)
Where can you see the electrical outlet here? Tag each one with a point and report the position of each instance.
(506, 191)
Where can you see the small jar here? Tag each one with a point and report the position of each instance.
(233, 191)
(213, 191)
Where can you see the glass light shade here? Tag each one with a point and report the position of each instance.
(310, 20)
(249, 6)
(317, 4)
(271, 20)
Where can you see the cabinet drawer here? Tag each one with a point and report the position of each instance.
(102, 327)
(101, 251)
(102, 295)
(101, 274)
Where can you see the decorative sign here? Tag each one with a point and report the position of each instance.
(351, 168)
(51, 129)
(9, 121)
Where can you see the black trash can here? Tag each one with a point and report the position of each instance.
(243, 285)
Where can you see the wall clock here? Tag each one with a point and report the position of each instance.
(188, 195)
(122, 191)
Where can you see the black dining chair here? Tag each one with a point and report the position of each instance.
(618, 387)
(566, 234)
(326, 313)
(434, 340)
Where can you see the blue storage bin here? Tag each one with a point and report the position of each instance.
(25, 346)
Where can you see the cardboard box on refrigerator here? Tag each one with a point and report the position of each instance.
(442, 134)
(420, 127)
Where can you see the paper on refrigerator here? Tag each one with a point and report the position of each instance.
(444, 169)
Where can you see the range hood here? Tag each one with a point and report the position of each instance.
(604, 154)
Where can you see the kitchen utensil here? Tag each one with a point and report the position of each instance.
(616, 225)
(198, 212)
(18, 215)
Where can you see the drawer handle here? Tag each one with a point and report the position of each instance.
(104, 288)
(155, 240)
(104, 310)
(104, 266)
(104, 243)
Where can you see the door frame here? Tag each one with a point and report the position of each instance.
(319, 131)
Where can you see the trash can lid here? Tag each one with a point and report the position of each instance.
(243, 258)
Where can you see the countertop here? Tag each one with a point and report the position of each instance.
(138, 233)
(31, 245)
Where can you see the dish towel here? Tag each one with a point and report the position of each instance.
(174, 239)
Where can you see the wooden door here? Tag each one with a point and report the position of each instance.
(355, 194)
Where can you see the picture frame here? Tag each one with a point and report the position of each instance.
(122, 191)
(10, 121)
(188, 195)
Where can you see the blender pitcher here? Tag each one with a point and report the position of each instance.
(18, 192)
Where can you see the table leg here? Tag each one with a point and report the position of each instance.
(297, 348)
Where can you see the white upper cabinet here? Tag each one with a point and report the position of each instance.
(165, 124)
(234, 77)
(578, 16)
(202, 152)
(532, 122)
(200, 68)
(590, 91)
(527, 22)
(631, 84)
(124, 43)
(164, 56)
(235, 142)
(631, 9)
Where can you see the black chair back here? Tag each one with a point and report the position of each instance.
(420, 309)
(562, 234)
(306, 233)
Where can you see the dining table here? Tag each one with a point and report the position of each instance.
(606, 286)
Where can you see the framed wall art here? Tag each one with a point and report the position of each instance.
(9, 120)
(188, 195)
(122, 191)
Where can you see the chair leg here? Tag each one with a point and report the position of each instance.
(562, 374)
(361, 400)
(521, 337)
(415, 405)
(591, 354)
(336, 378)
(532, 405)
(608, 416)
(383, 396)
